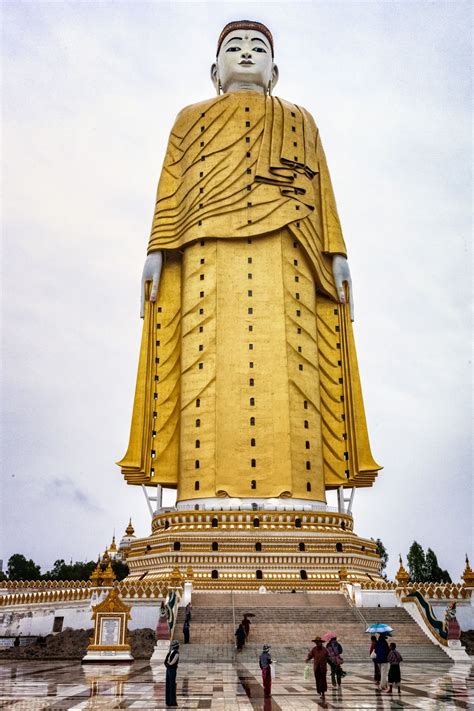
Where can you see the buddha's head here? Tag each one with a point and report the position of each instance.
(244, 59)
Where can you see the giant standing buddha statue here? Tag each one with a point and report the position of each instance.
(248, 400)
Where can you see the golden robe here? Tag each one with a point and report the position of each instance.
(247, 383)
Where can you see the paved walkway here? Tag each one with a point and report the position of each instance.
(31, 686)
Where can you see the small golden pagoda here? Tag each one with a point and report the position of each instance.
(468, 575)
(402, 577)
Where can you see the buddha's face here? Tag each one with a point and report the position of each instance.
(245, 58)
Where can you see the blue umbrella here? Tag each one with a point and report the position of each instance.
(379, 628)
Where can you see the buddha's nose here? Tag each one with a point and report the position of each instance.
(246, 55)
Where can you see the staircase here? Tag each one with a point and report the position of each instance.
(288, 622)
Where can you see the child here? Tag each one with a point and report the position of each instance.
(394, 658)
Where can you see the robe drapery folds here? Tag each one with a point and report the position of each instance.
(245, 179)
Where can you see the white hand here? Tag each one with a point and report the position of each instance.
(342, 273)
(151, 272)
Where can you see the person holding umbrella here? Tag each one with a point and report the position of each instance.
(381, 650)
(335, 659)
(319, 655)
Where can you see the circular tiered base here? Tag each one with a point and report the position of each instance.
(248, 550)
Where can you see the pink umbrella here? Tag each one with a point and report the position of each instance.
(328, 636)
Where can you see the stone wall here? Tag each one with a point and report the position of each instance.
(37, 619)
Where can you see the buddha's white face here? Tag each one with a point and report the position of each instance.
(244, 61)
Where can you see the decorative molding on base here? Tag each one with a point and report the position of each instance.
(107, 656)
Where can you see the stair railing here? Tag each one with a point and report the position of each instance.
(361, 617)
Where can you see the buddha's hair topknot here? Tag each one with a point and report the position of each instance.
(245, 25)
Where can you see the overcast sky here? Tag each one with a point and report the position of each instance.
(90, 92)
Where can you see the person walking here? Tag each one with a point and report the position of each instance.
(240, 635)
(373, 656)
(319, 655)
(265, 663)
(171, 663)
(382, 650)
(335, 661)
(188, 612)
(246, 625)
(186, 630)
(394, 677)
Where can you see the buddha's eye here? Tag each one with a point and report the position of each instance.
(233, 49)
(259, 49)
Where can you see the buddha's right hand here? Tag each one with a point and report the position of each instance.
(151, 272)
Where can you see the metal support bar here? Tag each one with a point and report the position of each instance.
(158, 499)
(342, 499)
(350, 500)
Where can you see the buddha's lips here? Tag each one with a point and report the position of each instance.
(246, 63)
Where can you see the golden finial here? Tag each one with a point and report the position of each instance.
(108, 576)
(96, 574)
(402, 577)
(468, 575)
(130, 530)
(113, 546)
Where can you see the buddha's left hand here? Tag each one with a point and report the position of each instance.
(342, 275)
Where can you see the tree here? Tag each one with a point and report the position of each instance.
(416, 563)
(19, 568)
(81, 571)
(120, 569)
(433, 572)
(72, 571)
(382, 552)
(424, 568)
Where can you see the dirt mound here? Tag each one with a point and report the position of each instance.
(467, 638)
(142, 643)
(72, 644)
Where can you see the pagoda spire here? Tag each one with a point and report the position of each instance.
(130, 530)
(402, 577)
(468, 575)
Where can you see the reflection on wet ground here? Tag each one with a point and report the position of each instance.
(227, 686)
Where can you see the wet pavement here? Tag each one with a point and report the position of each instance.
(65, 685)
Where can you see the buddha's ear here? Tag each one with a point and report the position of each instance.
(275, 75)
(215, 77)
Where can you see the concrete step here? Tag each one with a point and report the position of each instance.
(276, 614)
(213, 628)
(294, 653)
(279, 600)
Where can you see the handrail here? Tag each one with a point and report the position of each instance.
(436, 627)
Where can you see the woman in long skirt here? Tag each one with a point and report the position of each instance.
(394, 676)
(319, 655)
